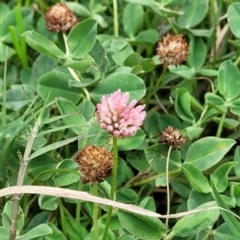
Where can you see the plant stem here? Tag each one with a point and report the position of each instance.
(79, 203)
(214, 23)
(72, 72)
(113, 186)
(220, 126)
(154, 90)
(95, 211)
(61, 208)
(4, 92)
(167, 183)
(115, 13)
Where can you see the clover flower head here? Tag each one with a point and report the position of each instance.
(172, 137)
(172, 50)
(95, 164)
(60, 18)
(118, 117)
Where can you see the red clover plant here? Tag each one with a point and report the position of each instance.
(120, 120)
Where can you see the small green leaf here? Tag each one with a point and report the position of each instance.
(196, 222)
(125, 81)
(192, 132)
(66, 178)
(99, 55)
(208, 151)
(39, 231)
(196, 199)
(183, 71)
(48, 203)
(57, 234)
(4, 233)
(235, 107)
(228, 85)
(215, 101)
(4, 10)
(183, 105)
(56, 83)
(40, 164)
(156, 156)
(82, 38)
(133, 59)
(81, 65)
(220, 176)
(207, 72)
(5, 52)
(132, 19)
(150, 124)
(228, 123)
(223, 232)
(7, 216)
(66, 107)
(42, 44)
(196, 178)
(41, 65)
(147, 36)
(201, 32)
(79, 9)
(237, 159)
(233, 15)
(228, 217)
(197, 52)
(97, 135)
(129, 143)
(142, 226)
(74, 229)
(194, 13)
(148, 203)
(126, 195)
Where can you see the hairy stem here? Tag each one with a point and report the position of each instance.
(72, 72)
(95, 211)
(113, 185)
(167, 183)
(115, 12)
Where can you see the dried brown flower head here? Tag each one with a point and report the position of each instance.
(172, 50)
(95, 164)
(60, 18)
(172, 137)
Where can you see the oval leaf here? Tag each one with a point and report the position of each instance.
(127, 82)
(233, 14)
(220, 176)
(194, 12)
(196, 222)
(82, 38)
(183, 105)
(42, 44)
(229, 80)
(133, 16)
(66, 107)
(196, 178)
(141, 226)
(57, 83)
(208, 151)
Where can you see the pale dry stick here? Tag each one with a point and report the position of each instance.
(84, 196)
(20, 179)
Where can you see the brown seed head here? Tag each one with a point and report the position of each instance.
(172, 137)
(60, 18)
(172, 50)
(95, 164)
